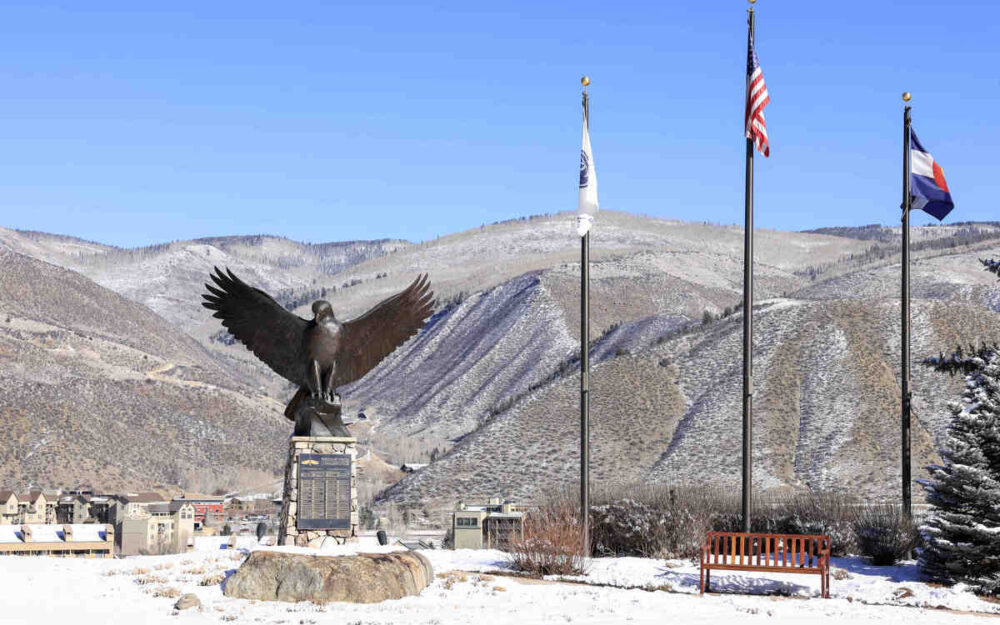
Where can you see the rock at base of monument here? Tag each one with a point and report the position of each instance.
(314, 417)
(362, 578)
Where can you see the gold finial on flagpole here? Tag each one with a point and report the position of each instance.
(585, 81)
(752, 1)
(906, 96)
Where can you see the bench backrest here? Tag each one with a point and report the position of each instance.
(772, 550)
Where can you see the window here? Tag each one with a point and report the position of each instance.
(467, 522)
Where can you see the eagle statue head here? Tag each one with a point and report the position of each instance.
(323, 311)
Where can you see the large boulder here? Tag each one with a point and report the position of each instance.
(362, 578)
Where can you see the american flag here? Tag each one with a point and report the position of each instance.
(757, 99)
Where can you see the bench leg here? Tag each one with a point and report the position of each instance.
(703, 578)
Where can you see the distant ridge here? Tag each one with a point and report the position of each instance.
(97, 389)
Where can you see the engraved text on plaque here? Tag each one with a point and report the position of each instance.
(324, 492)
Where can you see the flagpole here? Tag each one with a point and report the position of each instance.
(907, 395)
(748, 321)
(585, 365)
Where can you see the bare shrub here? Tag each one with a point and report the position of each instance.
(630, 527)
(884, 534)
(212, 579)
(551, 543)
(810, 512)
(656, 520)
(671, 522)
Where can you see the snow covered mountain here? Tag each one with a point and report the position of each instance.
(490, 386)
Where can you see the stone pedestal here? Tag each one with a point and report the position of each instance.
(291, 531)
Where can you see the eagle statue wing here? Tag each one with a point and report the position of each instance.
(268, 330)
(365, 341)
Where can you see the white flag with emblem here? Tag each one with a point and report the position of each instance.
(587, 205)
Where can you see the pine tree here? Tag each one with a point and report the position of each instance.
(993, 266)
(962, 530)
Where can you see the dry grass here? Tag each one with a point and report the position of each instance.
(167, 591)
(146, 580)
(212, 579)
(839, 574)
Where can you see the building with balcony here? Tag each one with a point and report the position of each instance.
(73, 509)
(158, 528)
(489, 525)
(35, 508)
(132, 503)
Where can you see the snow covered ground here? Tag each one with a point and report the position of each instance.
(473, 587)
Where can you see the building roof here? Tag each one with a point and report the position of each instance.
(198, 498)
(73, 498)
(5, 495)
(79, 533)
(144, 498)
(31, 497)
(177, 504)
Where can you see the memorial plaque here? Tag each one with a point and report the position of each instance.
(324, 501)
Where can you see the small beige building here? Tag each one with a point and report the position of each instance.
(157, 528)
(487, 525)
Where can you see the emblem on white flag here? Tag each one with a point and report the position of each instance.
(587, 204)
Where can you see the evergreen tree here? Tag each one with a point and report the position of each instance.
(991, 265)
(962, 530)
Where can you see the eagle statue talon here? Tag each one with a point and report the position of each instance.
(318, 355)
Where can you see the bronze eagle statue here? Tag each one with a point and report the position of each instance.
(321, 354)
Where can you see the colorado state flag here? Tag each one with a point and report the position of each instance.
(928, 190)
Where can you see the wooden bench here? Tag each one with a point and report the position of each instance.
(779, 553)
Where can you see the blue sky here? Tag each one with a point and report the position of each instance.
(336, 121)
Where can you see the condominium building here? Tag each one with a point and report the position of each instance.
(164, 527)
(35, 508)
(73, 509)
(134, 502)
